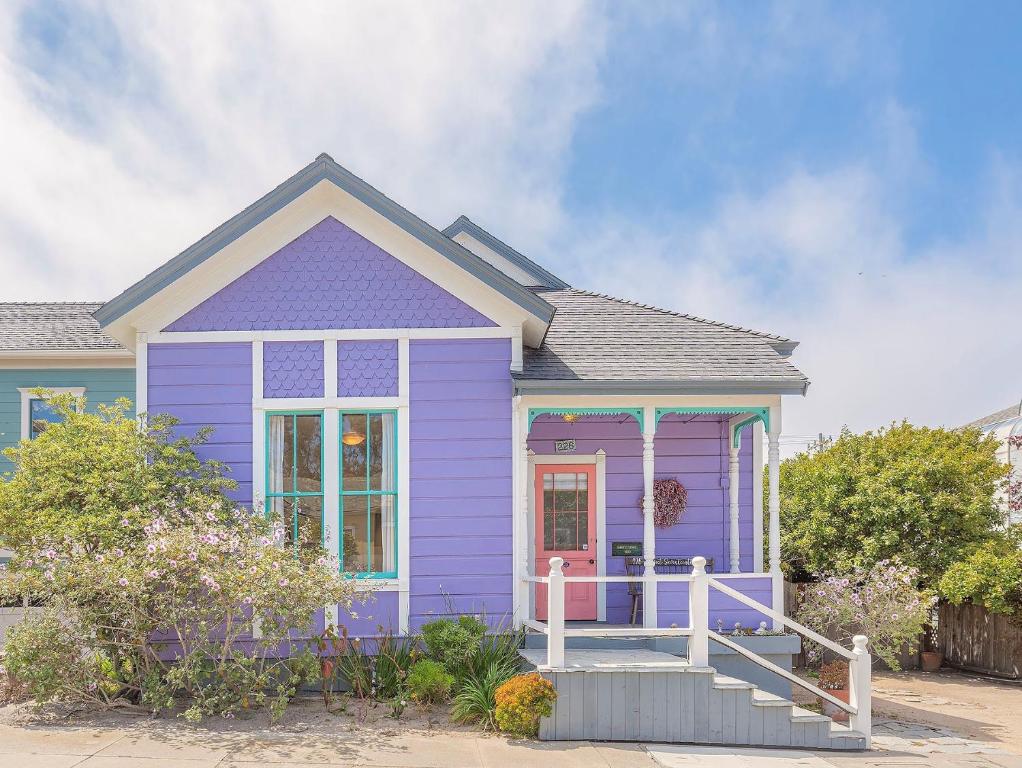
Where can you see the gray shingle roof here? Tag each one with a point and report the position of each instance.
(1011, 412)
(597, 338)
(56, 326)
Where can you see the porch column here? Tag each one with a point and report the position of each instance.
(521, 525)
(774, 510)
(649, 587)
(732, 489)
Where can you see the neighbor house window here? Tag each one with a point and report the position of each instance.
(368, 508)
(294, 473)
(36, 411)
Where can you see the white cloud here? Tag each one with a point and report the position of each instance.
(887, 330)
(154, 122)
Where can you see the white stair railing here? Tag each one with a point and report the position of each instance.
(859, 705)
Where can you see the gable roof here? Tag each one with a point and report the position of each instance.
(323, 168)
(600, 344)
(66, 327)
(1005, 414)
(542, 277)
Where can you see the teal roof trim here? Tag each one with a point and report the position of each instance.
(635, 413)
(543, 277)
(322, 168)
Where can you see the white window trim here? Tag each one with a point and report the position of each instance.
(28, 394)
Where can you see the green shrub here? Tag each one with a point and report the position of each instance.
(476, 702)
(453, 643)
(500, 648)
(991, 576)
(95, 480)
(522, 701)
(925, 496)
(429, 683)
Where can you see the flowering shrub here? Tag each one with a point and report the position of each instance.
(522, 701)
(669, 501)
(175, 616)
(881, 602)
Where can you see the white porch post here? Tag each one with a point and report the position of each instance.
(649, 587)
(525, 591)
(774, 510)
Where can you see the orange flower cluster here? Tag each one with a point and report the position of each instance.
(522, 701)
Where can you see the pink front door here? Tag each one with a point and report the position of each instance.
(566, 527)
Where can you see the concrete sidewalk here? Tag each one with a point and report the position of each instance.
(161, 745)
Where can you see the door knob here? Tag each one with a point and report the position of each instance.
(592, 562)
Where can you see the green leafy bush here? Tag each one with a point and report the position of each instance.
(926, 496)
(453, 642)
(429, 683)
(522, 701)
(881, 602)
(94, 480)
(991, 576)
(476, 702)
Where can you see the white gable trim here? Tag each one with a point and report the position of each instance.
(294, 219)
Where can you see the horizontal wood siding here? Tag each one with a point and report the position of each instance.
(461, 488)
(208, 384)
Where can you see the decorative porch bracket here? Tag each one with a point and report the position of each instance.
(635, 413)
(756, 414)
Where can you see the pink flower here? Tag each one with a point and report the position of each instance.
(151, 549)
(99, 558)
(125, 522)
(193, 556)
(122, 581)
(153, 573)
(282, 582)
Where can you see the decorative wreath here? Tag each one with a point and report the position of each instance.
(669, 501)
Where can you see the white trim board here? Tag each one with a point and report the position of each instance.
(599, 460)
(349, 334)
(28, 395)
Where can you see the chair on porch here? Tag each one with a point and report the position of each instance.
(666, 565)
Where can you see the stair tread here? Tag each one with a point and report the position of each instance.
(841, 730)
(723, 681)
(807, 716)
(761, 698)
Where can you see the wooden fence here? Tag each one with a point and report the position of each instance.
(972, 638)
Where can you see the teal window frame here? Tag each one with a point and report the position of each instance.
(295, 494)
(369, 494)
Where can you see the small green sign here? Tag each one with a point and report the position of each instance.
(626, 548)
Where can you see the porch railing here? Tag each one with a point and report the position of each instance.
(858, 706)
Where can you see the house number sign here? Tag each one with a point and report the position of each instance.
(564, 446)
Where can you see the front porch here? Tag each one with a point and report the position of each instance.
(617, 448)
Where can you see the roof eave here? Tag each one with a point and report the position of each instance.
(687, 387)
(323, 168)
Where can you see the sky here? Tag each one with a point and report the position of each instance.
(847, 175)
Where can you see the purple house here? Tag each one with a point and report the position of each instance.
(450, 415)
(470, 434)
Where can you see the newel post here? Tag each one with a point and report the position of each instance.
(555, 615)
(699, 614)
(860, 692)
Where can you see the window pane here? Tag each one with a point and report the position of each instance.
(548, 530)
(381, 452)
(280, 509)
(308, 454)
(356, 533)
(382, 515)
(310, 519)
(353, 452)
(565, 531)
(41, 414)
(279, 455)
